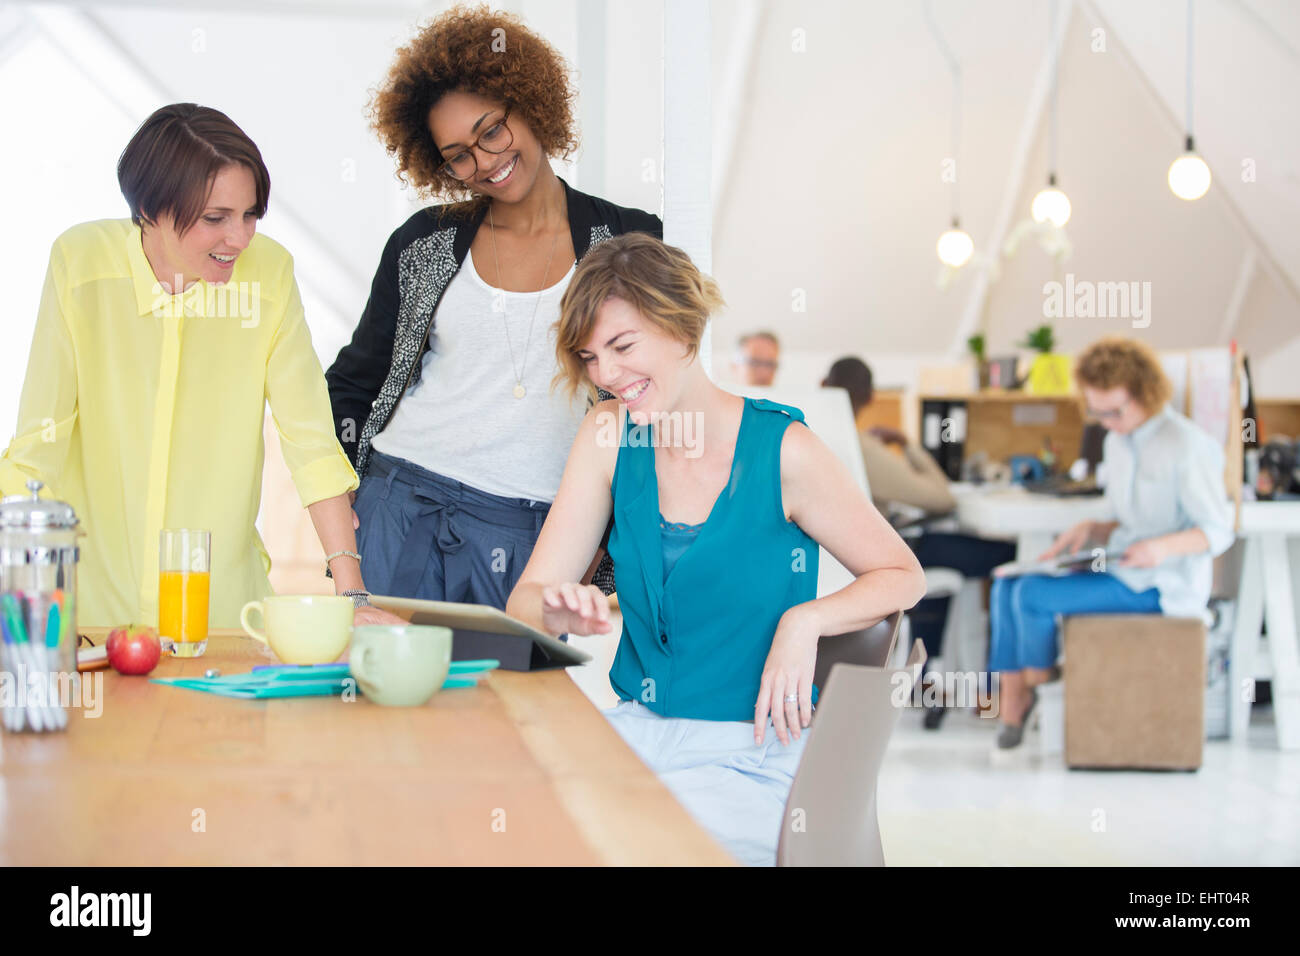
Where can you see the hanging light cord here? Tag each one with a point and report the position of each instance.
(955, 68)
(1190, 51)
(1056, 69)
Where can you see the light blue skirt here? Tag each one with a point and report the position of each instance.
(734, 789)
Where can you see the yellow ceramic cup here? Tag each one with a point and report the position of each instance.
(309, 629)
(400, 666)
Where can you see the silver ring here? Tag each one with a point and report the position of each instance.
(792, 698)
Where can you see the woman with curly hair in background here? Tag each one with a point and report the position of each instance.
(1164, 483)
(443, 398)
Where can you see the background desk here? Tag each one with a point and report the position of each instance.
(1269, 585)
(1033, 521)
(1270, 581)
(319, 781)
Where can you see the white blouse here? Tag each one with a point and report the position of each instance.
(462, 420)
(1167, 476)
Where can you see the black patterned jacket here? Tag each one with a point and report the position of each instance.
(374, 371)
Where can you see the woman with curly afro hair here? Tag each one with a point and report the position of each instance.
(443, 397)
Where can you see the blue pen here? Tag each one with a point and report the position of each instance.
(13, 716)
(53, 630)
(13, 617)
(60, 599)
(52, 627)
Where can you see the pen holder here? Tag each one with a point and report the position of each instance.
(38, 671)
(38, 612)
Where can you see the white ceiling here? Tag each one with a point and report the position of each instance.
(832, 187)
(867, 107)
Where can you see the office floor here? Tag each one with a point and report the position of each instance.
(946, 799)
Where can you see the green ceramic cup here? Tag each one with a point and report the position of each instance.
(400, 666)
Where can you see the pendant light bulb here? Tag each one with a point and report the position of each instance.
(1051, 205)
(955, 247)
(1189, 177)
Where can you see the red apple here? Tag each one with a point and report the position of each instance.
(133, 649)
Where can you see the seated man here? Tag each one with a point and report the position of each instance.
(756, 360)
(1164, 480)
(916, 479)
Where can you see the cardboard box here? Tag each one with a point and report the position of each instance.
(1134, 691)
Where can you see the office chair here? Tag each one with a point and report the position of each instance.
(830, 815)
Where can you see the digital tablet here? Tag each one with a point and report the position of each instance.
(480, 631)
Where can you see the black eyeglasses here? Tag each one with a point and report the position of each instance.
(497, 138)
(1109, 415)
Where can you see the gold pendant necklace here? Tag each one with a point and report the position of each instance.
(519, 390)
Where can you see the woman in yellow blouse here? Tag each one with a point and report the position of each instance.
(158, 342)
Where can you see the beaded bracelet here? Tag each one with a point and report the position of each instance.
(338, 554)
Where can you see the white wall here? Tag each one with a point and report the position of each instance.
(832, 192)
(92, 72)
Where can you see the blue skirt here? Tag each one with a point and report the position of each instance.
(427, 536)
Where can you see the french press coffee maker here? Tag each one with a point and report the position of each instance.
(38, 611)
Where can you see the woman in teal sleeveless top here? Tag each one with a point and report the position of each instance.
(716, 506)
(679, 656)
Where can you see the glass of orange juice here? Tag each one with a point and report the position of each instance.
(184, 566)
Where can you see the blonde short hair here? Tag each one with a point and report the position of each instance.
(1117, 362)
(658, 280)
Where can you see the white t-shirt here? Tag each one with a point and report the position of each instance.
(462, 419)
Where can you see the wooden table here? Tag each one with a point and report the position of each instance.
(520, 770)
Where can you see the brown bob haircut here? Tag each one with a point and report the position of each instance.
(658, 280)
(1117, 362)
(479, 51)
(168, 167)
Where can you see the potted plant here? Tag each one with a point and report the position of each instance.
(1049, 374)
(975, 345)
